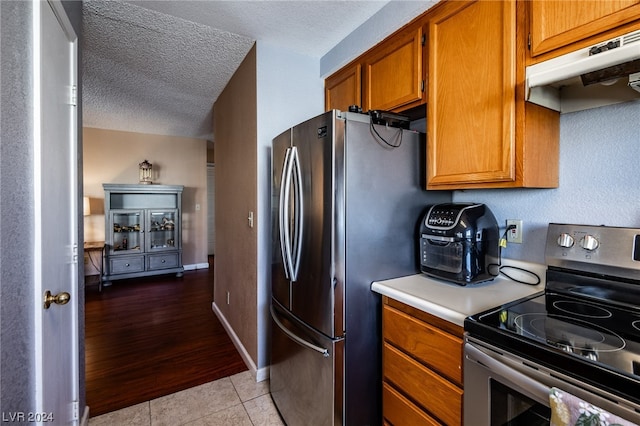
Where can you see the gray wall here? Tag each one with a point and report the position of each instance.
(16, 208)
(599, 180)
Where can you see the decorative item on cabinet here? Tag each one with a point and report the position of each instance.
(146, 169)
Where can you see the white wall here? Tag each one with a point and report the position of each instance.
(289, 91)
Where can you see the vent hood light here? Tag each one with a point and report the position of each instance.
(587, 78)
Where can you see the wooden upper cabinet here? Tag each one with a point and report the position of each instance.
(559, 23)
(343, 88)
(471, 107)
(481, 133)
(393, 72)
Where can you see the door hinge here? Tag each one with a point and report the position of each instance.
(74, 254)
(73, 95)
(75, 407)
(423, 40)
(529, 42)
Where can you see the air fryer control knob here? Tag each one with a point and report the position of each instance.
(565, 240)
(589, 242)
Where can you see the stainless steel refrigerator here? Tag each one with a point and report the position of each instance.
(346, 201)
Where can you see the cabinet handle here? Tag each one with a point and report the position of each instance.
(163, 261)
(126, 264)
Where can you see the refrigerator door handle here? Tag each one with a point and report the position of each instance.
(298, 212)
(324, 352)
(283, 214)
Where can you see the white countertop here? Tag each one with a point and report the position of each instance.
(453, 302)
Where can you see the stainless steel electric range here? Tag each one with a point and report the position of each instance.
(581, 335)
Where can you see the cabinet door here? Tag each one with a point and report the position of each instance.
(393, 77)
(127, 232)
(162, 230)
(343, 88)
(471, 108)
(559, 23)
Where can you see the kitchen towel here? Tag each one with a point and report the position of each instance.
(569, 410)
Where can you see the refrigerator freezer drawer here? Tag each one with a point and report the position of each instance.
(306, 373)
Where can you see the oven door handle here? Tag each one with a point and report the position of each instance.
(538, 390)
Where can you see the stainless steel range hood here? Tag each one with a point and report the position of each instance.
(603, 74)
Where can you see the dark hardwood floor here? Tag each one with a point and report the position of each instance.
(151, 337)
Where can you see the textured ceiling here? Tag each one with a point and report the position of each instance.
(158, 66)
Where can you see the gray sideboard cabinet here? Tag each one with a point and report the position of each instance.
(143, 234)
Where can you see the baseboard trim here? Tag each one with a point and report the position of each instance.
(260, 374)
(85, 417)
(195, 266)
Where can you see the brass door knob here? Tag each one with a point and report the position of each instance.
(59, 299)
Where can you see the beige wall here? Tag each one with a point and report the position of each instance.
(113, 157)
(234, 124)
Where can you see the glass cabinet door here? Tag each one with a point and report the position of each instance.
(127, 231)
(163, 230)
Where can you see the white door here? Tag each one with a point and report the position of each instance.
(56, 230)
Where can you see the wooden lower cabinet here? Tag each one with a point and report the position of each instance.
(421, 367)
(398, 410)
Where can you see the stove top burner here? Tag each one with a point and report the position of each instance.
(606, 335)
(586, 324)
(571, 335)
(582, 309)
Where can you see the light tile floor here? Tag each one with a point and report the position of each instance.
(236, 400)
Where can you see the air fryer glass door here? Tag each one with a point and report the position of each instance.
(441, 255)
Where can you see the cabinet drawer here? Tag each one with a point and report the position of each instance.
(399, 411)
(436, 348)
(163, 261)
(442, 398)
(125, 265)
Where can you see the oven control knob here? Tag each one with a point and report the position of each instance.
(565, 240)
(589, 242)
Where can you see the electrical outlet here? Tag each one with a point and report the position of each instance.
(514, 235)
